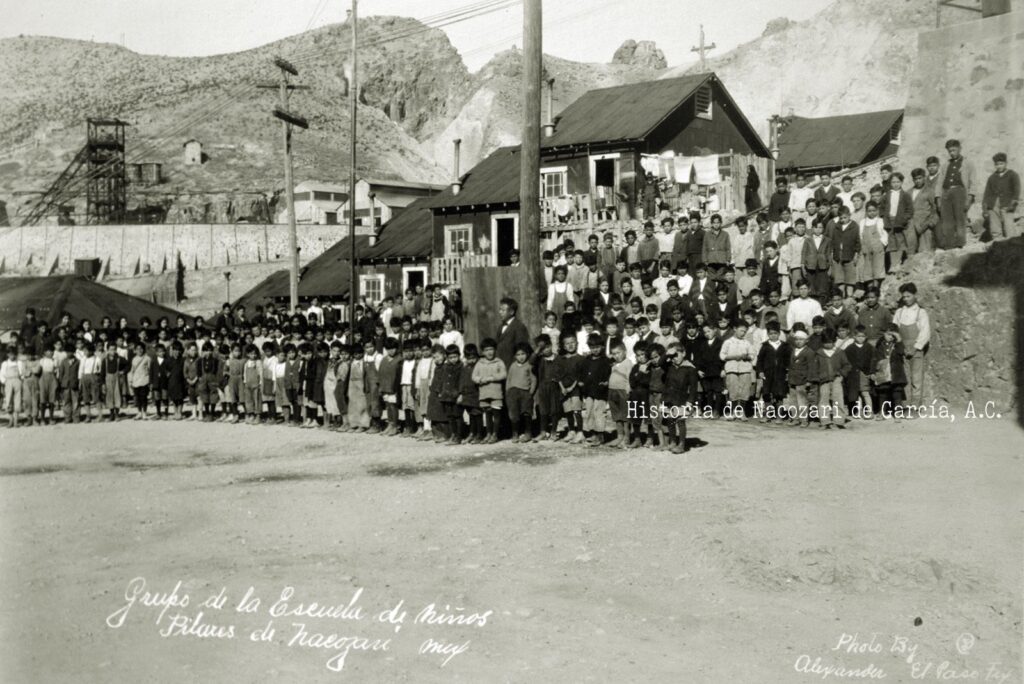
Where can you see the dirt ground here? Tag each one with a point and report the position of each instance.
(749, 559)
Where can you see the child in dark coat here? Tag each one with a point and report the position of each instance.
(889, 377)
(469, 395)
(452, 372)
(681, 380)
(772, 368)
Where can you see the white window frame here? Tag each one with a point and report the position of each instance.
(562, 172)
(711, 102)
(406, 270)
(449, 230)
(367, 278)
(494, 234)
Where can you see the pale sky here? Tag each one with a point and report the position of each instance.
(582, 30)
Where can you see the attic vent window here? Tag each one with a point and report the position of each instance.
(702, 101)
(895, 132)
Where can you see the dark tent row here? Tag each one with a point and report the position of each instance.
(81, 297)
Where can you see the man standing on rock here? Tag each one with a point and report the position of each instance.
(999, 203)
(954, 191)
(915, 333)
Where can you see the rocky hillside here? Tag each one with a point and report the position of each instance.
(853, 56)
(411, 87)
(491, 115)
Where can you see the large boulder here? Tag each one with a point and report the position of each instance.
(975, 300)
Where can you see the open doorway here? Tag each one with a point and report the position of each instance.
(505, 238)
(413, 276)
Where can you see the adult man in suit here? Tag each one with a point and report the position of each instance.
(954, 192)
(921, 232)
(897, 210)
(511, 332)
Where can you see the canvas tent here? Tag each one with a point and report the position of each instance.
(83, 298)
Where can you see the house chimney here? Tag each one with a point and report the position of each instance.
(549, 127)
(456, 182)
(372, 240)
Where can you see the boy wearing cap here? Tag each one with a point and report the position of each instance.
(955, 191)
(999, 203)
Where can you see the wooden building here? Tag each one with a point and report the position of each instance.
(384, 199)
(687, 132)
(836, 142)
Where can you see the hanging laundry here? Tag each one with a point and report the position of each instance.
(667, 169)
(649, 163)
(684, 169)
(706, 168)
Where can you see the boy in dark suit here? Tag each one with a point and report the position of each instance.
(817, 258)
(897, 211)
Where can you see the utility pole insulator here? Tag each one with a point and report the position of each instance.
(288, 117)
(285, 65)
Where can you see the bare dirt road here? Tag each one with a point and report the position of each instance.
(750, 559)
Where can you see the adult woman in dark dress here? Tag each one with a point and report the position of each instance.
(752, 190)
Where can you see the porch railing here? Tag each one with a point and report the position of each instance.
(448, 270)
(564, 211)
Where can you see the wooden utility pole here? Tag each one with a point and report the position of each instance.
(287, 121)
(702, 49)
(353, 96)
(529, 170)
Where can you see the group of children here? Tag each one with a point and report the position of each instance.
(608, 377)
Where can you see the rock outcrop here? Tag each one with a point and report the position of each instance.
(644, 53)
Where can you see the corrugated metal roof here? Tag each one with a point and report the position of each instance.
(409, 235)
(328, 275)
(413, 185)
(493, 181)
(626, 112)
(833, 140)
(84, 299)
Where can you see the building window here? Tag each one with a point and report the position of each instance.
(456, 239)
(553, 182)
(702, 101)
(371, 288)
